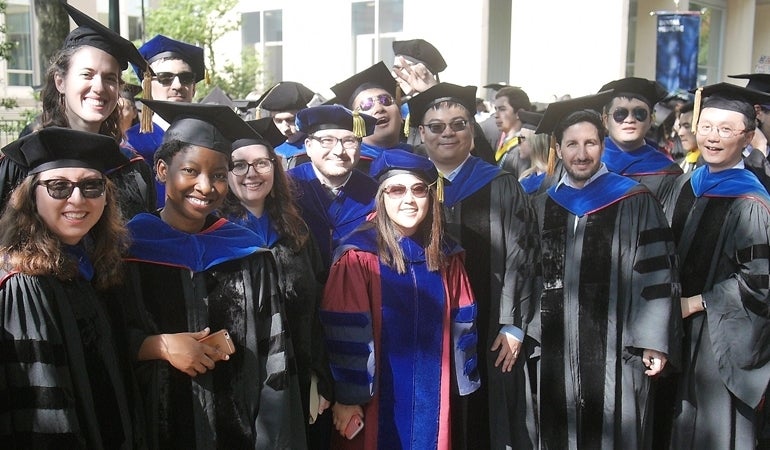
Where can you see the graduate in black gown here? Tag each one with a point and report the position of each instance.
(89, 103)
(609, 314)
(191, 273)
(720, 215)
(492, 218)
(61, 244)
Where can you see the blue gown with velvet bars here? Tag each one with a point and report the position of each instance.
(332, 218)
(388, 351)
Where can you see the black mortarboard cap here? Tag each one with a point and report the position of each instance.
(244, 104)
(376, 76)
(557, 111)
(132, 90)
(530, 119)
(217, 97)
(286, 96)
(57, 147)
(92, 33)
(267, 129)
(325, 117)
(495, 86)
(650, 90)
(210, 126)
(421, 103)
(420, 51)
(163, 47)
(757, 81)
(730, 97)
(397, 161)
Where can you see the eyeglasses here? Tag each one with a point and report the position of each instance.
(439, 127)
(723, 132)
(63, 189)
(382, 99)
(167, 78)
(261, 165)
(397, 191)
(349, 142)
(620, 114)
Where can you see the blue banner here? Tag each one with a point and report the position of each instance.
(677, 58)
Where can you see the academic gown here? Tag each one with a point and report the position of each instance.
(756, 162)
(402, 346)
(332, 218)
(146, 144)
(721, 223)
(217, 278)
(647, 165)
(293, 151)
(134, 182)
(301, 276)
(62, 383)
(610, 291)
(492, 218)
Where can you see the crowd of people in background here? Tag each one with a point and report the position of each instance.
(402, 266)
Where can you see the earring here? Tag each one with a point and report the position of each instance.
(61, 99)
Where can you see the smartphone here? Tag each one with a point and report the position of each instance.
(221, 341)
(355, 425)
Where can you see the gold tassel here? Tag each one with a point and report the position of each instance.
(406, 124)
(399, 95)
(359, 125)
(696, 108)
(440, 188)
(207, 76)
(145, 123)
(551, 157)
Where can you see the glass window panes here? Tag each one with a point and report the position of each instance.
(273, 26)
(391, 16)
(363, 18)
(250, 28)
(17, 22)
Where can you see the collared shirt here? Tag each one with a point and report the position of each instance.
(451, 175)
(566, 180)
(159, 121)
(334, 190)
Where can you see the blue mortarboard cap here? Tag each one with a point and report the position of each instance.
(163, 47)
(393, 162)
(57, 147)
(326, 117)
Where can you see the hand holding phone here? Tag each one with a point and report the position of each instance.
(354, 426)
(221, 341)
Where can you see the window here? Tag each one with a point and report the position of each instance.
(375, 25)
(263, 31)
(631, 44)
(19, 30)
(710, 52)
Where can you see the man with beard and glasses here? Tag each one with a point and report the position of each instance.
(609, 318)
(628, 118)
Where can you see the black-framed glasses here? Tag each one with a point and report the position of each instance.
(63, 189)
(328, 142)
(397, 191)
(723, 132)
(261, 165)
(167, 78)
(439, 127)
(382, 99)
(620, 114)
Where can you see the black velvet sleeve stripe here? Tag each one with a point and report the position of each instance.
(655, 235)
(41, 440)
(657, 291)
(757, 307)
(759, 251)
(662, 262)
(759, 281)
(32, 351)
(32, 397)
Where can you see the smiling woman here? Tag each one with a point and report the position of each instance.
(61, 239)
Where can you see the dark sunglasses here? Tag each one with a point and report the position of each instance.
(397, 191)
(166, 78)
(620, 114)
(382, 99)
(63, 189)
(439, 127)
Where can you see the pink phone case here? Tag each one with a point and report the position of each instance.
(355, 425)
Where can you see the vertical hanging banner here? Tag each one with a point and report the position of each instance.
(677, 57)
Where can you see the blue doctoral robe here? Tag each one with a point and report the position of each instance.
(146, 144)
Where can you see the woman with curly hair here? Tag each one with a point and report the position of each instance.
(61, 243)
(261, 199)
(81, 92)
